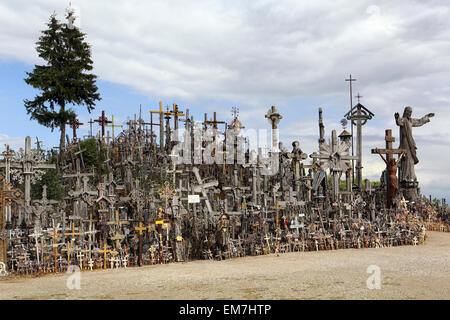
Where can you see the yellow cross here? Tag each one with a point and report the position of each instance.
(104, 251)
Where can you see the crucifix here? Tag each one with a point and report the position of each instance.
(103, 120)
(391, 166)
(112, 125)
(75, 124)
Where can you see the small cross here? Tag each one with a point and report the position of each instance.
(235, 112)
(358, 96)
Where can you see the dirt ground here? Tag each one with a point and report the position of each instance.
(408, 272)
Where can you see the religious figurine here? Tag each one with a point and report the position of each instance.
(407, 142)
(391, 171)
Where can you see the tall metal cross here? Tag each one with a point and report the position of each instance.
(90, 127)
(350, 79)
(360, 114)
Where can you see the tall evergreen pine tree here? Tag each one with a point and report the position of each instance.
(64, 79)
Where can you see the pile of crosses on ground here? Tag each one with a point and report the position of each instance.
(148, 196)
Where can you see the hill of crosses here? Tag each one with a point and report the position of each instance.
(177, 189)
(164, 188)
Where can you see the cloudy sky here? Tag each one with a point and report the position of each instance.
(214, 55)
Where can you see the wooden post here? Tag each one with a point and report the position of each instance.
(140, 229)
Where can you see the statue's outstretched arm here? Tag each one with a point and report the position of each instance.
(421, 121)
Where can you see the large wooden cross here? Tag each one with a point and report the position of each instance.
(55, 235)
(104, 251)
(389, 152)
(103, 120)
(27, 164)
(69, 250)
(75, 124)
(214, 122)
(161, 124)
(140, 229)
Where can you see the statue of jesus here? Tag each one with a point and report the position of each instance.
(407, 142)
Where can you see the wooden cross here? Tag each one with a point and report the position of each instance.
(117, 220)
(151, 127)
(391, 184)
(7, 194)
(36, 235)
(68, 250)
(104, 251)
(112, 125)
(80, 257)
(140, 229)
(75, 124)
(73, 233)
(102, 120)
(55, 235)
(161, 124)
(214, 122)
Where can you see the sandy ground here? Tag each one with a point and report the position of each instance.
(407, 272)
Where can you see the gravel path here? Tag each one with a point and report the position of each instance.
(407, 272)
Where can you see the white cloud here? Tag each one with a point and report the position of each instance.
(14, 142)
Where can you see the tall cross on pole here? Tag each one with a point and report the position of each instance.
(391, 166)
(90, 127)
(214, 122)
(103, 120)
(350, 79)
(161, 124)
(112, 125)
(75, 124)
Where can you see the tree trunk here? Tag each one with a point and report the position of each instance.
(62, 127)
